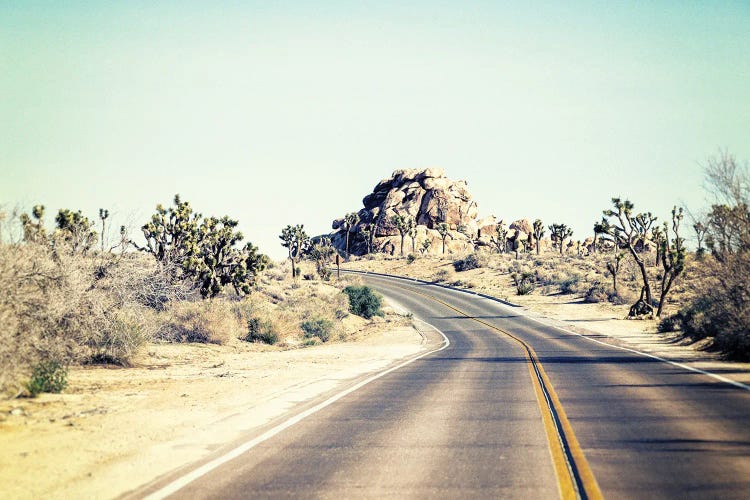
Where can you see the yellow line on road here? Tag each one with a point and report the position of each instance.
(574, 476)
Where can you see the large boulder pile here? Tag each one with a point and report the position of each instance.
(431, 199)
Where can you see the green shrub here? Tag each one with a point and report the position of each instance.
(441, 275)
(261, 331)
(317, 327)
(47, 376)
(701, 318)
(668, 324)
(324, 272)
(569, 284)
(596, 294)
(524, 282)
(469, 262)
(363, 301)
(411, 258)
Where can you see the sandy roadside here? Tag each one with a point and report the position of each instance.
(602, 321)
(114, 428)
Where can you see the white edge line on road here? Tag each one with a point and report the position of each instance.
(526, 314)
(635, 351)
(183, 481)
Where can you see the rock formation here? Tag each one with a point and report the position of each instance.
(430, 198)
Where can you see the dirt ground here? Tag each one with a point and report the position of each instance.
(116, 428)
(568, 311)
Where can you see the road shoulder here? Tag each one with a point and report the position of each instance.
(117, 428)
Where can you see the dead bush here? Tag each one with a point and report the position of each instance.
(62, 307)
(595, 294)
(207, 321)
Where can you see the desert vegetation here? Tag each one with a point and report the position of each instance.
(74, 298)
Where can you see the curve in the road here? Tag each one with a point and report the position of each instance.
(574, 475)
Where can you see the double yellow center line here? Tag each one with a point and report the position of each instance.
(574, 476)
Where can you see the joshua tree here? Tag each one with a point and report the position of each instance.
(559, 232)
(33, 227)
(672, 256)
(425, 246)
(203, 249)
(350, 220)
(444, 233)
(296, 241)
(625, 229)
(124, 240)
(657, 235)
(103, 216)
(220, 263)
(321, 252)
(413, 236)
(700, 233)
(614, 267)
(500, 240)
(538, 233)
(368, 232)
(403, 223)
(172, 234)
(75, 229)
(598, 229)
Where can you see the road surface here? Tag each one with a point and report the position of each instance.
(509, 408)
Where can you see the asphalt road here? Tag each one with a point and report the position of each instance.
(470, 420)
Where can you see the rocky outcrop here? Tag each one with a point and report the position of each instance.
(430, 198)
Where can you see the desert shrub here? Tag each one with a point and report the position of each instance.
(207, 321)
(735, 344)
(259, 330)
(324, 272)
(469, 262)
(596, 294)
(462, 284)
(698, 319)
(119, 337)
(47, 376)
(524, 282)
(363, 301)
(138, 279)
(317, 327)
(569, 284)
(411, 258)
(668, 324)
(308, 276)
(71, 307)
(442, 275)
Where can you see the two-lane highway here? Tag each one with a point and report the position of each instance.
(477, 419)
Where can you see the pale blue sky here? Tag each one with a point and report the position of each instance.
(290, 112)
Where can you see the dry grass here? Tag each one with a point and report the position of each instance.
(212, 321)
